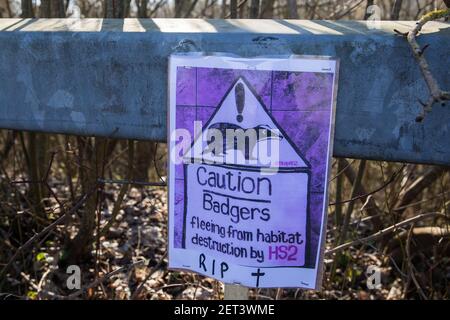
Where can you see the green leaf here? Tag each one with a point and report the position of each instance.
(41, 256)
(32, 295)
(49, 243)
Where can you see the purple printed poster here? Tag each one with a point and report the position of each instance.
(250, 144)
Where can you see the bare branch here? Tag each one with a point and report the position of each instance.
(436, 94)
(384, 185)
(418, 186)
(47, 229)
(386, 231)
(396, 9)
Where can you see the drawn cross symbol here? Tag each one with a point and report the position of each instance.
(258, 274)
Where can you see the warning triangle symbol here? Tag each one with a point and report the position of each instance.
(241, 112)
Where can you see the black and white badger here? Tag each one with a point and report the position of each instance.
(237, 138)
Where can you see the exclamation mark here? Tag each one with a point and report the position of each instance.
(239, 93)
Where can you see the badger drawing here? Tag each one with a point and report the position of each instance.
(237, 138)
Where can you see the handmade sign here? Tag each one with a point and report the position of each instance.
(250, 144)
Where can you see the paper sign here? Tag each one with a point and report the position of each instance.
(250, 144)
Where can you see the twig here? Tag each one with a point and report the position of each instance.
(41, 282)
(368, 204)
(123, 190)
(142, 183)
(395, 14)
(155, 164)
(43, 232)
(29, 280)
(339, 182)
(157, 6)
(348, 214)
(341, 171)
(339, 15)
(254, 8)
(154, 269)
(385, 231)
(436, 94)
(174, 285)
(233, 13)
(410, 265)
(191, 8)
(420, 202)
(384, 185)
(420, 184)
(343, 229)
